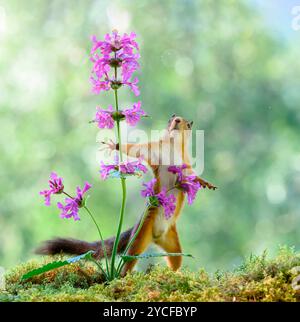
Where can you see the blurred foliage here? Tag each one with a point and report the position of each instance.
(211, 61)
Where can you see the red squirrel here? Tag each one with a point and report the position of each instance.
(156, 228)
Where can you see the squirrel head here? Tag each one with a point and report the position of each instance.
(178, 123)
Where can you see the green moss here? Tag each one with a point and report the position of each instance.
(257, 279)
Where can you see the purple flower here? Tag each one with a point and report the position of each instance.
(125, 168)
(177, 170)
(72, 205)
(81, 192)
(190, 187)
(133, 86)
(99, 85)
(167, 202)
(115, 51)
(69, 210)
(134, 114)
(139, 166)
(128, 64)
(187, 183)
(101, 66)
(115, 42)
(149, 191)
(105, 169)
(161, 198)
(104, 118)
(130, 167)
(56, 187)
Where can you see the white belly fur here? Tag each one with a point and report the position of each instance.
(161, 224)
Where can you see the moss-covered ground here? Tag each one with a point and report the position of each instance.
(259, 278)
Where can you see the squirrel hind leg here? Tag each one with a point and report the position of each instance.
(140, 244)
(170, 243)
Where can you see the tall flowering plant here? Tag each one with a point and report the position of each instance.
(115, 59)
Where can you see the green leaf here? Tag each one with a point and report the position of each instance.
(153, 201)
(56, 264)
(128, 258)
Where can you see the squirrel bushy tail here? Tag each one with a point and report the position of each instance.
(78, 247)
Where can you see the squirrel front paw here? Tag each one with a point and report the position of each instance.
(110, 146)
(206, 184)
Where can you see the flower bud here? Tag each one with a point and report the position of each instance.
(118, 116)
(115, 62)
(116, 84)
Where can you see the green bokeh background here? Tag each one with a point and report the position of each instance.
(220, 63)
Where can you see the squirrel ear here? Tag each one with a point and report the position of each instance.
(191, 123)
(173, 115)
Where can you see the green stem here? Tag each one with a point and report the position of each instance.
(143, 217)
(121, 218)
(101, 268)
(123, 184)
(67, 195)
(102, 240)
(116, 99)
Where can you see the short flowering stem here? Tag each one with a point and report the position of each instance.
(100, 267)
(65, 193)
(172, 188)
(102, 240)
(136, 232)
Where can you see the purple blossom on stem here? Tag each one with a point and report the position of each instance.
(105, 169)
(149, 191)
(100, 85)
(139, 165)
(134, 114)
(191, 187)
(104, 118)
(163, 199)
(130, 167)
(129, 64)
(115, 42)
(125, 168)
(133, 86)
(72, 205)
(56, 187)
(167, 202)
(115, 51)
(187, 183)
(178, 170)
(69, 210)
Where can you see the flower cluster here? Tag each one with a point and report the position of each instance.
(122, 169)
(187, 183)
(167, 201)
(106, 118)
(134, 114)
(72, 205)
(56, 186)
(114, 52)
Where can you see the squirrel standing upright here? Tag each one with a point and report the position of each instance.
(156, 228)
